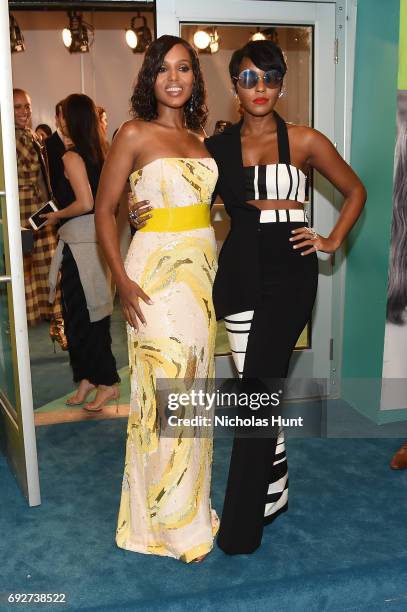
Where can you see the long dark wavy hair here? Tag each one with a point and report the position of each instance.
(397, 291)
(82, 121)
(143, 101)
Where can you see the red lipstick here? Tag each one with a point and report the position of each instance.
(260, 100)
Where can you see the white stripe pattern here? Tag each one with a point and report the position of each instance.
(273, 507)
(278, 486)
(294, 215)
(271, 184)
(283, 182)
(256, 182)
(241, 322)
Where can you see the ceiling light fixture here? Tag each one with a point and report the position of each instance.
(202, 39)
(138, 38)
(79, 36)
(17, 43)
(207, 41)
(269, 33)
(214, 44)
(258, 35)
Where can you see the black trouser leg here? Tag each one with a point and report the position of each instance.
(289, 289)
(89, 344)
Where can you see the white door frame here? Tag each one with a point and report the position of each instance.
(16, 261)
(169, 15)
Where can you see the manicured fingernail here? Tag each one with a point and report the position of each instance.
(290, 239)
(295, 246)
(148, 201)
(293, 231)
(150, 302)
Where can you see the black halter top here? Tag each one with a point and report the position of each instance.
(281, 181)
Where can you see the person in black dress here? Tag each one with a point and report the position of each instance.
(86, 296)
(55, 149)
(266, 291)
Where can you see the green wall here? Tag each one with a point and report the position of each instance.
(403, 45)
(373, 140)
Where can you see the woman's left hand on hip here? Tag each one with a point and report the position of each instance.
(311, 239)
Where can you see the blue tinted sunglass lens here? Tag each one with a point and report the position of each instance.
(272, 78)
(248, 79)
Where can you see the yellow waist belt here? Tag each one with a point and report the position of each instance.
(178, 219)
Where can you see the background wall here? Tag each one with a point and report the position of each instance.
(373, 139)
(49, 72)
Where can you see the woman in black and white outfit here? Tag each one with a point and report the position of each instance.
(267, 277)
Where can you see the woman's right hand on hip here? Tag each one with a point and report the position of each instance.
(130, 294)
(138, 211)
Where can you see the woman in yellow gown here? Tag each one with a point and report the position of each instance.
(165, 506)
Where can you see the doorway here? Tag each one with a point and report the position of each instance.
(106, 73)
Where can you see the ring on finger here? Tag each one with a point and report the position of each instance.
(312, 232)
(133, 215)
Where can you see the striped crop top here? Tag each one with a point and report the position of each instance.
(280, 181)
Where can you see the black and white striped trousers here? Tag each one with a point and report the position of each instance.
(262, 341)
(238, 329)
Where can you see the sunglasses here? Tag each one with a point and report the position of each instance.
(248, 79)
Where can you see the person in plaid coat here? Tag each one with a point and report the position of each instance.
(34, 190)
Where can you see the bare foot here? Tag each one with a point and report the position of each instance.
(85, 387)
(104, 395)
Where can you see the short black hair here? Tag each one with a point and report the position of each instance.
(265, 54)
(143, 102)
(45, 128)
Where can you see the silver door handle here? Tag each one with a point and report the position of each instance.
(5, 279)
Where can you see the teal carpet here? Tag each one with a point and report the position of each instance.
(342, 545)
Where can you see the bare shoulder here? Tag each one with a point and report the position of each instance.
(134, 128)
(131, 139)
(72, 157)
(308, 137)
(299, 132)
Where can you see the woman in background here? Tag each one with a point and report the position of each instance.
(102, 119)
(34, 190)
(86, 296)
(101, 112)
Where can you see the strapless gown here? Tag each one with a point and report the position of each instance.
(165, 504)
